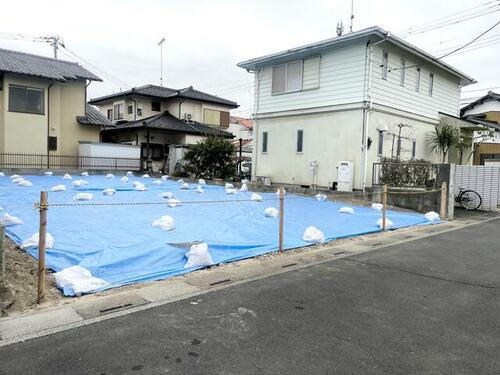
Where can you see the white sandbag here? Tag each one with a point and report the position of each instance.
(346, 210)
(2, 174)
(109, 191)
(185, 186)
(199, 189)
(1, 208)
(130, 173)
(136, 183)
(164, 177)
(201, 181)
(256, 197)
(165, 223)
(314, 235)
(198, 256)
(109, 175)
(173, 202)
(244, 181)
(48, 173)
(228, 186)
(78, 279)
(17, 180)
(432, 216)
(320, 197)
(33, 241)
(67, 177)
(14, 176)
(145, 175)
(58, 188)
(124, 179)
(78, 183)
(244, 187)
(84, 174)
(6, 220)
(139, 187)
(278, 192)
(83, 197)
(378, 206)
(157, 182)
(388, 223)
(181, 181)
(25, 183)
(230, 191)
(166, 195)
(271, 212)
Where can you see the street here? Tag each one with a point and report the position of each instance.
(426, 306)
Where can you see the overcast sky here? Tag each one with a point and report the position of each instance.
(205, 39)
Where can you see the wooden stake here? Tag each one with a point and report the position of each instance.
(3, 280)
(442, 203)
(384, 208)
(282, 195)
(42, 233)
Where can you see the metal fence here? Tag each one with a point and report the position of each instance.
(44, 161)
(401, 174)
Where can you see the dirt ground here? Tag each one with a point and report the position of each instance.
(21, 273)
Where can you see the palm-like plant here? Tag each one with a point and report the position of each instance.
(442, 139)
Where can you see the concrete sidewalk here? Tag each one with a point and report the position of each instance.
(90, 309)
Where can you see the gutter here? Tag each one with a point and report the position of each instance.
(48, 121)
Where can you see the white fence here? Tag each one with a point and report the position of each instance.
(485, 180)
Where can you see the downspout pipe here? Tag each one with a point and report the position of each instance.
(180, 106)
(368, 107)
(48, 123)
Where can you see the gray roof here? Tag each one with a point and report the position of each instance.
(165, 121)
(41, 66)
(94, 117)
(480, 121)
(168, 93)
(489, 97)
(378, 32)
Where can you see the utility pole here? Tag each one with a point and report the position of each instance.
(160, 43)
(54, 42)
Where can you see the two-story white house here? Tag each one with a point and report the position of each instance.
(356, 98)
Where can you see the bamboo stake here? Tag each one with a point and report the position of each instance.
(282, 195)
(384, 208)
(442, 206)
(42, 233)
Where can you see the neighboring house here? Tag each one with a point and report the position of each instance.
(352, 98)
(43, 105)
(160, 119)
(485, 110)
(241, 128)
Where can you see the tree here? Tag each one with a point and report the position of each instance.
(442, 139)
(210, 158)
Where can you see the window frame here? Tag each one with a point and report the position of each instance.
(152, 106)
(117, 112)
(130, 109)
(286, 90)
(109, 114)
(414, 149)
(265, 142)
(385, 64)
(52, 143)
(417, 80)
(301, 138)
(26, 88)
(402, 75)
(380, 146)
(431, 83)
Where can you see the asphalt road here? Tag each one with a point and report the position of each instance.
(430, 306)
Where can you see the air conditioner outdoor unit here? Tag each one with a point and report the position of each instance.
(187, 116)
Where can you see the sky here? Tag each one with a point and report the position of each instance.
(205, 40)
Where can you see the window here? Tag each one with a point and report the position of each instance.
(385, 63)
(431, 83)
(211, 117)
(139, 111)
(403, 72)
(300, 140)
(130, 109)
(52, 143)
(413, 149)
(26, 99)
(264, 142)
(118, 111)
(417, 81)
(156, 106)
(380, 143)
(287, 77)
(110, 114)
(1, 82)
(156, 151)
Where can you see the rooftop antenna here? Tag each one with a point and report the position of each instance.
(352, 15)
(160, 43)
(340, 28)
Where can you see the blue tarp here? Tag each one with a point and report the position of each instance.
(119, 245)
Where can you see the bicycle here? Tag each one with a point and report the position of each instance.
(468, 199)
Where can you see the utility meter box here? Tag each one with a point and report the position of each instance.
(345, 175)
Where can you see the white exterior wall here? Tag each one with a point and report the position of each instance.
(491, 106)
(109, 150)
